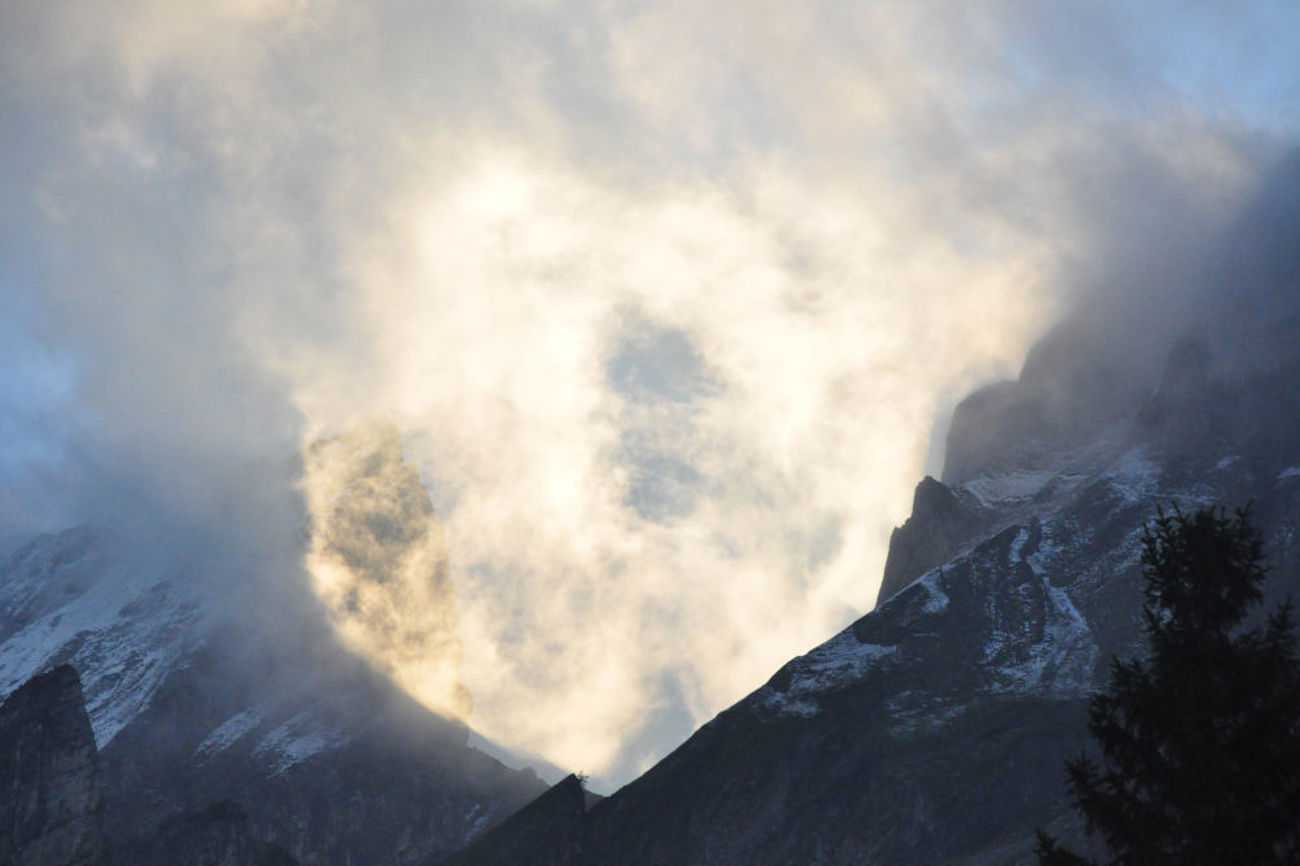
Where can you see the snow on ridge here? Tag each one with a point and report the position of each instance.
(937, 600)
(1062, 662)
(123, 629)
(841, 661)
(229, 732)
(1134, 477)
(118, 692)
(297, 739)
(1288, 473)
(784, 704)
(998, 490)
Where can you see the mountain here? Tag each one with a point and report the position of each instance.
(194, 698)
(934, 729)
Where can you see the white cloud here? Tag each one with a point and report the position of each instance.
(263, 222)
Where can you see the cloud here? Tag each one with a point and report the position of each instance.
(664, 297)
(379, 564)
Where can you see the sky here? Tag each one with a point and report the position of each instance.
(670, 301)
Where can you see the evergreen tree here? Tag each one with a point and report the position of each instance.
(1200, 743)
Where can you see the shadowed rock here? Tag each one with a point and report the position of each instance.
(220, 835)
(51, 796)
(551, 829)
(939, 526)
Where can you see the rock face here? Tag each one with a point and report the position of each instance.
(1070, 392)
(220, 835)
(347, 768)
(52, 801)
(51, 796)
(941, 524)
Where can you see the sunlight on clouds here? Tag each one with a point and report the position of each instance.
(664, 298)
(379, 563)
(495, 299)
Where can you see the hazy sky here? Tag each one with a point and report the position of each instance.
(666, 297)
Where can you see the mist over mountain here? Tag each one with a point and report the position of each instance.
(379, 564)
(934, 730)
(664, 303)
(931, 730)
(212, 731)
(668, 309)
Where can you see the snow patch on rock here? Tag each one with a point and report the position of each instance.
(1133, 478)
(1049, 548)
(1062, 661)
(836, 664)
(297, 739)
(476, 821)
(123, 629)
(994, 491)
(937, 600)
(229, 732)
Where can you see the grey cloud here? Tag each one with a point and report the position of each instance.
(662, 378)
(652, 363)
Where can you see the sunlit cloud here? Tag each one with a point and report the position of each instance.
(665, 299)
(378, 561)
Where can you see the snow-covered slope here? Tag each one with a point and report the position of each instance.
(72, 597)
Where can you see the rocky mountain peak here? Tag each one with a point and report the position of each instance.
(1069, 391)
(940, 524)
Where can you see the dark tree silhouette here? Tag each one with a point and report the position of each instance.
(1200, 742)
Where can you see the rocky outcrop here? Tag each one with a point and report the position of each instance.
(51, 794)
(402, 787)
(940, 525)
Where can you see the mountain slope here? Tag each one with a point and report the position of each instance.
(195, 698)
